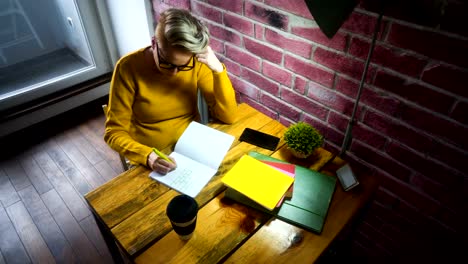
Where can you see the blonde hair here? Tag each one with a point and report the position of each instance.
(178, 28)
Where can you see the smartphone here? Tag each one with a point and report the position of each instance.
(260, 139)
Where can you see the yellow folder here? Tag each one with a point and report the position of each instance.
(258, 181)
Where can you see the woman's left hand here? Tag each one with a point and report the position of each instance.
(209, 58)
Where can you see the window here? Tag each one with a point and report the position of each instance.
(48, 47)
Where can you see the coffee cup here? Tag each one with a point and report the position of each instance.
(182, 212)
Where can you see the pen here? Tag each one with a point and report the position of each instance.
(160, 154)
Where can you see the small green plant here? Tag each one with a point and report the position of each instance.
(303, 138)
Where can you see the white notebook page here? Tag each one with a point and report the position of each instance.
(189, 177)
(198, 153)
(204, 144)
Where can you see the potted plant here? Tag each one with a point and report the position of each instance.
(302, 139)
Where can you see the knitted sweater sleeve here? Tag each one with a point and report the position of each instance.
(219, 94)
(117, 136)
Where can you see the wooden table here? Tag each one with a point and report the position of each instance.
(130, 211)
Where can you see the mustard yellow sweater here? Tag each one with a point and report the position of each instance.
(148, 109)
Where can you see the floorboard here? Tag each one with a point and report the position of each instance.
(2, 260)
(35, 174)
(67, 167)
(29, 234)
(105, 170)
(92, 231)
(82, 246)
(84, 146)
(81, 162)
(63, 187)
(8, 195)
(15, 172)
(46, 224)
(44, 174)
(95, 136)
(10, 244)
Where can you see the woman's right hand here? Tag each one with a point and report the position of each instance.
(160, 165)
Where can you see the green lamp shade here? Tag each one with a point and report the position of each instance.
(330, 14)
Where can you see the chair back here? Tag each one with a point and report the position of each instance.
(203, 108)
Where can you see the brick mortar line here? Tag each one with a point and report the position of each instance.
(427, 157)
(294, 37)
(411, 25)
(407, 184)
(416, 81)
(356, 10)
(400, 122)
(346, 53)
(374, 88)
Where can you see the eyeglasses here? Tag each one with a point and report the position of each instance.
(169, 66)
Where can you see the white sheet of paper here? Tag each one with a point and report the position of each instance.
(198, 153)
(188, 178)
(204, 144)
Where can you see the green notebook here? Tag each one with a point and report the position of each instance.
(309, 204)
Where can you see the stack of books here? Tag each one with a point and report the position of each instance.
(264, 183)
(288, 169)
(290, 192)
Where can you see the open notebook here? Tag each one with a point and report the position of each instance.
(198, 153)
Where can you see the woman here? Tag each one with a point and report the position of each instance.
(153, 94)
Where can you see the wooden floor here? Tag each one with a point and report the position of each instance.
(44, 173)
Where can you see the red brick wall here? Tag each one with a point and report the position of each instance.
(413, 117)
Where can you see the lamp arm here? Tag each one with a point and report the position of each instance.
(352, 121)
